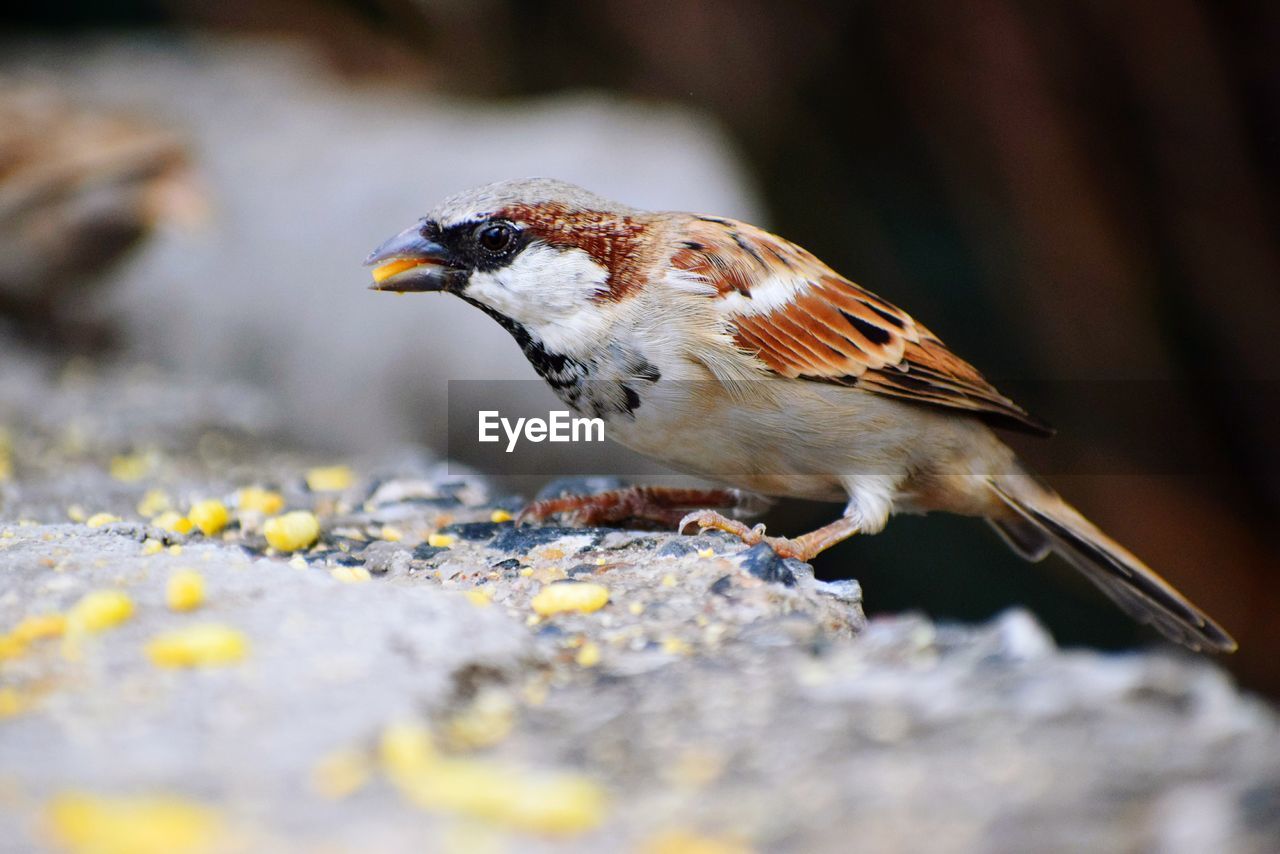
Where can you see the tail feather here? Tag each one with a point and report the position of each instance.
(1131, 584)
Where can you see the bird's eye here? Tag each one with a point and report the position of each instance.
(496, 237)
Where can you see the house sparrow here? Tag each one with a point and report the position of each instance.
(728, 352)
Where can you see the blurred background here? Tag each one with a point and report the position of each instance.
(1080, 198)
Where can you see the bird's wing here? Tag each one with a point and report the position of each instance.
(801, 319)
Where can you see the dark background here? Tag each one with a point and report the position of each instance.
(1079, 191)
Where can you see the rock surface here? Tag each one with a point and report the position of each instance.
(719, 698)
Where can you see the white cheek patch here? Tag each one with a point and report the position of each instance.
(547, 289)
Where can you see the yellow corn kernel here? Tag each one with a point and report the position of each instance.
(513, 797)
(675, 646)
(151, 547)
(38, 627)
(382, 272)
(706, 553)
(99, 610)
(499, 516)
(480, 597)
(580, 596)
(76, 513)
(209, 516)
(11, 647)
(391, 534)
(330, 479)
(184, 590)
(441, 541)
(254, 499)
(588, 655)
(197, 646)
(92, 824)
(684, 842)
(173, 521)
(12, 702)
(341, 773)
(292, 531)
(350, 574)
(97, 520)
(153, 503)
(130, 467)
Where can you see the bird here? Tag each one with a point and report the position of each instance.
(733, 354)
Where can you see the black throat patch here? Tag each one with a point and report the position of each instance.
(598, 387)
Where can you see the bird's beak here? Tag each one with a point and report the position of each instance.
(411, 262)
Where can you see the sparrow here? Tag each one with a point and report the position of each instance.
(730, 353)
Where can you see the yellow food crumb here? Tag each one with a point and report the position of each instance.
(11, 702)
(196, 646)
(480, 597)
(209, 516)
(588, 655)
(706, 553)
(76, 513)
(675, 646)
(153, 503)
(341, 773)
(526, 571)
(382, 272)
(11, 647)
(391, 534)
(668, 580)
(487, 720)
(255, 499)
(38, 627)
(499, 516)
(350, 574)
(175, 549)
(580, 596)
(92, 824)
(488, 791)
(636, 608)
(151, 546)
(330, 479)
(441, 541)
(171, 520)
(184, 590)
(298, 562)
(130, 467)
(684, 842)
(601, 561)
(99, 610)
(292, 531)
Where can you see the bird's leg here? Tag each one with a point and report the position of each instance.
(662, 505)
(804, 547)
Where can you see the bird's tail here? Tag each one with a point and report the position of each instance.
(1039, 521)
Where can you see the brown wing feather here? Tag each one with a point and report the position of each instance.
(802, 319)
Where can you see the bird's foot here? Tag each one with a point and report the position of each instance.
(804, 547)
(753, 535)
(658, 505)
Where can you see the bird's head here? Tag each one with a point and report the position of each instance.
(541, 254)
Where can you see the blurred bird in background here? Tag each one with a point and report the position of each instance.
(1097, 178)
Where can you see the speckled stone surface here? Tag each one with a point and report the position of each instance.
(721, 695)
